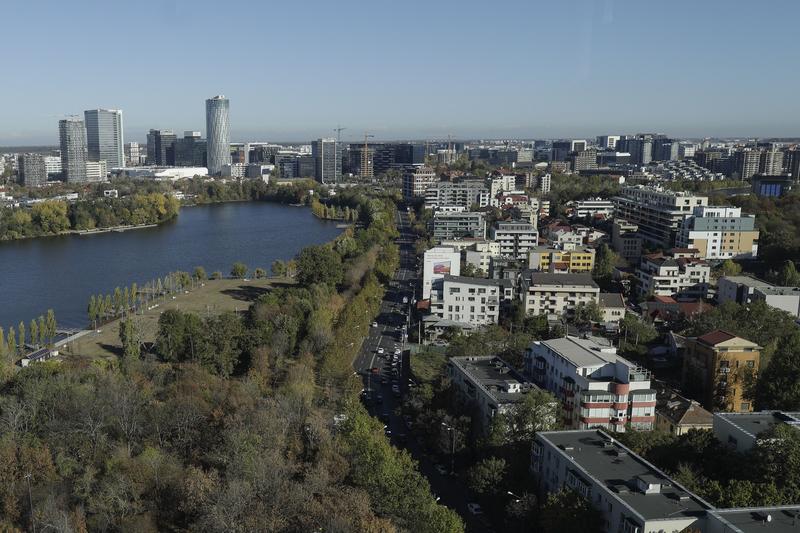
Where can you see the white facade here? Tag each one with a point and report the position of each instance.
(473, 301)
(556, 294)
(593, 207)
(96, 171)
(480, 254)
(416, 181)
(52, 165)
(665, 276)
(437, 263)
(515, 238)
(502, 183)
(719, 233)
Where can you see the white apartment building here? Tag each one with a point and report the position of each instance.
(593, 207)
(462, 194)
(498, 184)
(480, 254)
(746, 289)
(597, 387)
(52, 165)
(488, 383)
(96, 171)
(626, 240)
(458, 225)
(632, 495)
(515, 238)
(436, 264)
(473, 301)
(719, 233)
(661, 275)
(556, 294)
(655, 211)
(416, 180)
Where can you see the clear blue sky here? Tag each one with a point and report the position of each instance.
(295, 69)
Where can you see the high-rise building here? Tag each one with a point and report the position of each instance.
(640, 147)
(746, 163)
(104, 136)
(134, 154)
(771, 162)
(607, 141)
(190, 151)
(656, 212)
(306, 166)
(416, 180)
(218, 133)
(161, 147)
(665, 149)
(33, 170)
(72, 137)
(327, 154)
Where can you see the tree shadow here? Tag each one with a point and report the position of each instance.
(116, 350)
(246, 293)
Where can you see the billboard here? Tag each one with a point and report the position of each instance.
(441, 267)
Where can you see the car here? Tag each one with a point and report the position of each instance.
(374, 324)
(375, 370)
(398, 352)
(475, 508)
(441, 469)
(381, 351)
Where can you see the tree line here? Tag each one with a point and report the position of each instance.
(40, 332)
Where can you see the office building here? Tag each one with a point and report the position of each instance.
(625, 239)
(466, 194)
(657, 212)
(74, 153)
(135, 154)
(668, 275)
(361, 161)
(306, 166)
(190, 151)
(416, 180)
(33, 170)
(746, 289)
(596, 387)
(104, 139)
(665, 149)
(488, 384)
(516, 238)
(52, 164)
(437, 263)
(561, 149)
(161, 147)
(327, 154)
(96, 171)
(556, 294)
(564, 259)
(583, 160)
(632, 495)
(607, 142)
(218, 133)
(458, 225)
(742, 431)
(719, 233)
(717, 368)
(468, 300)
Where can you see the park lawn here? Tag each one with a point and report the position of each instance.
(428, 364)
(215, 297)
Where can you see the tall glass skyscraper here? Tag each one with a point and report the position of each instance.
(72, 135)
(104, 136)
(327, 155)
(218, 134)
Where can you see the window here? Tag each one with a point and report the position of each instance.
(745, 406)
(751, 364)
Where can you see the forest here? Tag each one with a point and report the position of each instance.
(227, 423)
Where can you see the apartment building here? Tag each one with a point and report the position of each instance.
(437, 263)
(480, 254)
(717, 368)
(626, 240)
(473, 301)
(465, 224)
(556, 294)
(657, 212)
(597, 387)
(662, 275)
(719, 233)
(516, 238)
(746, 289)
(594, 207)
(741, 431)
(633, 495)
(566, 258)
(489, 384)
(416, 180)
(464, 194)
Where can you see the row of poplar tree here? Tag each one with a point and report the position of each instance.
(40, 332)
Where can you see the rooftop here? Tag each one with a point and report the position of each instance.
(473, 281)
(496, 376)
(682, 411)
(718, 336)
(748, 280)
(611, 299)
(778, 291)
(761, 421)
(583, 352)
(545, 278)
(611, 465)
(784, 519)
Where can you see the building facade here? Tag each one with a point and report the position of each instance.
(556, 294)
(571, 259)
(437, 263)
(719, 233)
(456, 193)
(74, 153)
(33, 170)
(516, 238)
(327, 154)
(626, 240)
(473, 301)
(662, 275)
(161, 147)
(104, 139)
(656, 212)
(218, 133)
(464, 224)
(416, 180)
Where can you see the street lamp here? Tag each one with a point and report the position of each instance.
(452, 431)
(517, 499)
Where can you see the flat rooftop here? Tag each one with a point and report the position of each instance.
(783, 519)
(494, 375)
(749, 281)
(564, 280)
(612, 465)
(583, 352)
(761, 421)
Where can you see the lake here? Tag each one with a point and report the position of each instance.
(63, 272)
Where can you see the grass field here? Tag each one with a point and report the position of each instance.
(216, 296)
(427, 365)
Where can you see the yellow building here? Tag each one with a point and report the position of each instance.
(718, 367)
(550, 259)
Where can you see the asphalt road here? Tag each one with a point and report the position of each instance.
(379, 375)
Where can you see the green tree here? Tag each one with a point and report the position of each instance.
(34, 332)
(730, 268)
(239, 270)
(278, 268)
(216, 275)
(260, 273)
(12, 343)
(566, 512)
(22, 337)
(605, 261)
(778, 385)
(637, 331)
(586, 313)
(200, 273)
(3, 347)
(51, 325)
(319, 264)
(42, 329)
(130, 338)
(486, 476)
(538, 411)
(788, 276)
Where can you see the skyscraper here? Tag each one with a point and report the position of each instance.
(104, 136)
(72, 136)
(218, 133)
(161, 147)
(327, 155)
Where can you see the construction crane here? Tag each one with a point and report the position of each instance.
(366, 171)
(338, 129)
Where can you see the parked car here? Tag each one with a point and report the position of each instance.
(381, 351)
(374, 324)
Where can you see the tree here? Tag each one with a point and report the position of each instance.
(319, 264)
(130, 339)
(486, 476)
(278, 268)
(34, 329)
(239, 270)
(50, 324)
(730, 268)
(216, 275)
(788, 276)
(605, 261)
(3, 348)
(778, 385)
(586, 313)
(519, 423)
(21, 329)
(566, 511)
(12, 343)
(637, 331)
(260, 273)
(200, 273)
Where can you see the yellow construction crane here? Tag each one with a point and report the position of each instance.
(366, 167)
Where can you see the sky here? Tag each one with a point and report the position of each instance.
(294, 70)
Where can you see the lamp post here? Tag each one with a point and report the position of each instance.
(452, 431)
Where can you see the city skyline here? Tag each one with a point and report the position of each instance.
(535, 70)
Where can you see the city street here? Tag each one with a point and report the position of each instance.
(379, 375)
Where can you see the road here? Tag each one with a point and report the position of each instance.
(379, 376)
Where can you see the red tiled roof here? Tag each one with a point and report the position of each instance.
(715, 337)
(664, 299)
(423, 305)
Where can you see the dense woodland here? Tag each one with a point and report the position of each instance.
(227, 424)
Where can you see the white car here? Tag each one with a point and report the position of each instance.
(397, 351)
(374, 324)
(381, 351)
(475, 508)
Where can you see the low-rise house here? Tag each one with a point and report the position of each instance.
(668, 309)
(612, 305)
(747, 289)
(677, 415)
(556, 294)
